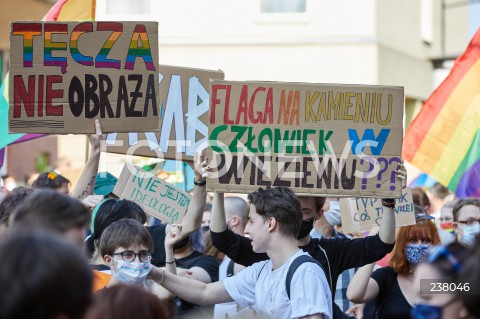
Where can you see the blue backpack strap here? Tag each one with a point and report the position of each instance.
(293, 267)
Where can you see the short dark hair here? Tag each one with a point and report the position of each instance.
(112, 210)
(51, 210)
(319, 203)
(109, 211)
(11, 201)
(280, 203)
(124, 233)
(439, 191)
(42, 276)
(50, 180)
(125, 302)
(420, 197)
(464, 202)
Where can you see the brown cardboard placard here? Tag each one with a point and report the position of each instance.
(157, 197)
(319, 139)
(63, 75)
(184, 105)
(361, 214)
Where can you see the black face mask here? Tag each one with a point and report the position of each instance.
(182, 243)
(305, 228)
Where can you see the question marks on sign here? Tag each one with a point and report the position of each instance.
(392, 175)
(365, 174)
(382, 170)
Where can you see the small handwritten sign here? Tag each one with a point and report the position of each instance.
(157, 197)
(361, 214)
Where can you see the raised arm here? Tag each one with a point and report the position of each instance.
(85, 184)
(193, 219)
(387, 229)
(218, 222)
(191, 290)
(362, 287)
(170, 239)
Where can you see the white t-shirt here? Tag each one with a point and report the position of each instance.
(265, 291)
(230, 308)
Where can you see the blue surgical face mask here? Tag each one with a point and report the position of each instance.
(131, 273)
(422, 311)
(414, 253)
(469, 233)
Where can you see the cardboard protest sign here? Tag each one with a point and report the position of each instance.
(65, 74)
(361, 214)
(158, 198)
(325, 139)
(184, 105)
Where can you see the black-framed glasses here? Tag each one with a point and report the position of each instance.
(129, 256)
(438, 252)
(469, 222)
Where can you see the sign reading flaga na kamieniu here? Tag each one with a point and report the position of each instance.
(65, 74)
(157, 197)
(318, 139)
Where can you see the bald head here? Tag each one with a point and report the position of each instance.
(236, 206)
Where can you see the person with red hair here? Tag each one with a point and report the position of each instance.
(391, 288)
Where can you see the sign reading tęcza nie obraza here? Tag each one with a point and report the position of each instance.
(64, 75)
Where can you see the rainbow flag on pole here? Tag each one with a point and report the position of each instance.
(444, 138)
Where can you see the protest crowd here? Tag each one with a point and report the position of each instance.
(87, 253)
(278, 223)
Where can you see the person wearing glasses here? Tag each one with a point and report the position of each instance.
(436, 297)
(389, 290)
(126, 247)
(466, 217)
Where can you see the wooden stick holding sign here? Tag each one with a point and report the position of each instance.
(361, 214)
(158, 198)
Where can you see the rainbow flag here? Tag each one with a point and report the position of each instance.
(444, 138)
(62, 10)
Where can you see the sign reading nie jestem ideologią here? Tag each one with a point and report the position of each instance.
(183, 130)
(63, 75)
(318, 139)
(157, 197)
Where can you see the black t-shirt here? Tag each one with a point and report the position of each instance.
(196, 259)
(390, 297)
(158, 235)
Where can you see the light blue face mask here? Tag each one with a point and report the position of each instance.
(469, 233)
(131, 273)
